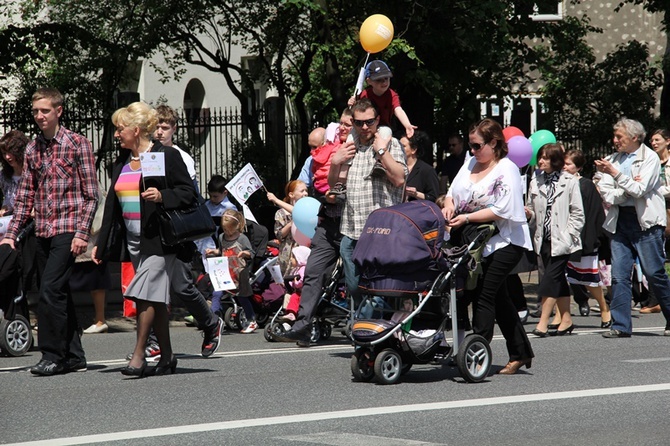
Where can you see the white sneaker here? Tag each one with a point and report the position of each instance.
(95, 328)
(253, 326)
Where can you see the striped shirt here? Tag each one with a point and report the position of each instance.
(127, 189)
(59, 182)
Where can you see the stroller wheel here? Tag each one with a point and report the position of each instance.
(326, 330)
(316, 332)
(267, 333)
(363, 365)
(16, 337)
(474, 358)
(241, 319)
(388, 366)
(229, 318)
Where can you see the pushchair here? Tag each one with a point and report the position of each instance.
(332, 310)
(16, 336)
(410, 296)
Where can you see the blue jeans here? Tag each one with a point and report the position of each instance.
(351, 273)
(628, 242)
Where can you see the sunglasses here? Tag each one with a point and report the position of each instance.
(368, 122)
(476, 146)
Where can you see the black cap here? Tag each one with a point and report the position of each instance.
(377, 69)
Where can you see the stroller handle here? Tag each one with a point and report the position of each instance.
(26, 231)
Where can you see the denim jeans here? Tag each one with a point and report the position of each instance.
(628, 242)
(351, 273)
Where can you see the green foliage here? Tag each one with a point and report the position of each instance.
(585, 97)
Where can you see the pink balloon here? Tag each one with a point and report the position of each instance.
(510, 132)
(300, 238)
(520, 151)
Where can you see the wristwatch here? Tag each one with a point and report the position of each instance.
(381, 152)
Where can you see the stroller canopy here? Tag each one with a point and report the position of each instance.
(400, 246)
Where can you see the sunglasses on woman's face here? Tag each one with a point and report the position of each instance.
(476, 146)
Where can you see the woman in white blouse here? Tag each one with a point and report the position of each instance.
(487, 189)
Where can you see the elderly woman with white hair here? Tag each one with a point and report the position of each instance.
(636, 220)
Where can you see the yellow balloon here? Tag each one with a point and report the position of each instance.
(376, 33)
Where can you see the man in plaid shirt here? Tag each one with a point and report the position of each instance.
(59, 184)
(375, 180)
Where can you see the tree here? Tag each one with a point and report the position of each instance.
(585, 98)
(660, 7)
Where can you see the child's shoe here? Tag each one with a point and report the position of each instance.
(338, 189)
(288, 317)
(377, 171)
(253, 326)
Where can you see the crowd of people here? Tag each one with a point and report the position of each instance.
(576, 227)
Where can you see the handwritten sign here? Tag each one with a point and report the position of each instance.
(219, 274)
(153, 164)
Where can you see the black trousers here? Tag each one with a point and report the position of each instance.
(59, 333)
(320, 263)
(492, 303)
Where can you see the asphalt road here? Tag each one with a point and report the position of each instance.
(582, 389)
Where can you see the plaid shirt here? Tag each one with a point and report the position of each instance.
(60, 183)
(365, 194)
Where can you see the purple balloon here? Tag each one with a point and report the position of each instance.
(520, 151)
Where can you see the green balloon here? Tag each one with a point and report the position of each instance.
(537, 140)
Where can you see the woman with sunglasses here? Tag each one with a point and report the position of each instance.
(488, 189)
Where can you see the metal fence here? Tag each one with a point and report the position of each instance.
(209, 135)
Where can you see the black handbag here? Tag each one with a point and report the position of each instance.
(185, 225)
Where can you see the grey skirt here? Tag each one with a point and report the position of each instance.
(152, 275)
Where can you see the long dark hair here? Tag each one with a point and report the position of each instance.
(14, 143)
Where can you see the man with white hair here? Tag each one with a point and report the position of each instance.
(636, 220)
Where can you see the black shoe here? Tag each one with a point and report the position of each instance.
(607, 324)
(152, 353)
(553, 326)
(135, 371)
(584, 309)
(302, 339)
(540, 334)
(537, 313)
(616, 334)
(47, 368)
(212, 340)
(160, 370)
(562, 332)
(75, 365)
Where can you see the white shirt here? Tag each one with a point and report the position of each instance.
(500, 191)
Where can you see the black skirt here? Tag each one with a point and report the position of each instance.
(554, 282)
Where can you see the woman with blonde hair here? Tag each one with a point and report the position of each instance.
(130, 229)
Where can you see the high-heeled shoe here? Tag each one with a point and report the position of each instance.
(168, 369)
(135, 371)
(607, 324)
(553, 326)
(513, 366)
(562, 332)
(540, 334)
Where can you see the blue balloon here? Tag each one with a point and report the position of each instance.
(306, 215)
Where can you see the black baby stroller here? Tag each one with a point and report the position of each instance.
(16, 336)
(410, 297)
(332, 310)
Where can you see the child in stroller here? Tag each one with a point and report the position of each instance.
(393, 337)
(299, 255)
